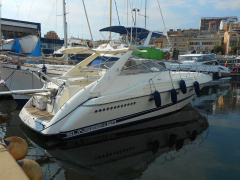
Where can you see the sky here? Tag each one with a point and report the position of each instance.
(177, 14)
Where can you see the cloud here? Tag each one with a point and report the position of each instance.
(228, 5)
(203, 2)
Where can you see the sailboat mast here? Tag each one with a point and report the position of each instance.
(165, 30)
(65, 24)
(110, 19)
(127, 12)
(145, 13)
(88, 22)
(0, 22)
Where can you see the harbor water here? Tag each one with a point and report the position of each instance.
(198, 142)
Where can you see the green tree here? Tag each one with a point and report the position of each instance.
(217, 49)
(235, 48)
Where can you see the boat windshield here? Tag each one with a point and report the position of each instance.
(188, 58)
(132, 66)
(103, 65)
(135, 66)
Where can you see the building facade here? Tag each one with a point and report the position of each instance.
(204, 43)
(12, 29)
(206, 22)
(190, 41)
(231, 39)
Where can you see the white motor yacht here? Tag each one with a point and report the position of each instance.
(89, 99)
(199, 63)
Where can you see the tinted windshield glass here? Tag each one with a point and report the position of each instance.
(103, 65)
(141, 66)
(188, 58)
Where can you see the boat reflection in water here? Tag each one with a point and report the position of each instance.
(213, 97)
(124, 153)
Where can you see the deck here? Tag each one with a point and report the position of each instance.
(39, 114)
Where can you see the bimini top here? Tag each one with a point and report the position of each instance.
(141, 33)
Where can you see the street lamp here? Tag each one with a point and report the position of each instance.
(135, 10)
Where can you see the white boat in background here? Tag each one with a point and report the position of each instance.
(18, 69)
(199, 63)
(27, 76)
(88, 99)
(6, 45)
(27, 44)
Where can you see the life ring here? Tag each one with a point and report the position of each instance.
(174, 96)
(167, 55)
(157, 99)
(183, 86)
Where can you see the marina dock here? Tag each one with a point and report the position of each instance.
(10, 170)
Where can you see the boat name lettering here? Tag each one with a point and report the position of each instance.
(90, 128)
(27, 119)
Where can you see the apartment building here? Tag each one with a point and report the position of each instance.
(231, 36)
(207, 22)
(187, 41)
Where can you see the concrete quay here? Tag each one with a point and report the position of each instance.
(9, 168)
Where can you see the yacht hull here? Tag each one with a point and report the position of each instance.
(93, 118)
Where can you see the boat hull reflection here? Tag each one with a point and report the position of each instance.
(124, 153)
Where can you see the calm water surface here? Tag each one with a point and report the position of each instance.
(199, 142)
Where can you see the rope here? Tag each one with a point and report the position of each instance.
(9, 75)
(151, 85)
(117, 12)
(30, 9)
(171, 78)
